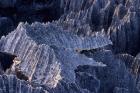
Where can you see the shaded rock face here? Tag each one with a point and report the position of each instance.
(115, 74)
(85, 46)
(88, 81)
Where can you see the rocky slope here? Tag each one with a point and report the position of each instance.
(83, 46)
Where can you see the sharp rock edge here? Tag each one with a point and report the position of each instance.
(119, 19)
(44, 63)
(54, 35)
(125, 27)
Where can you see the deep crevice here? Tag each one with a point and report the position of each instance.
(6, 60)
(21, 75)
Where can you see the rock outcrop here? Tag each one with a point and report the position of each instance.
(83, 46)
(48, 53)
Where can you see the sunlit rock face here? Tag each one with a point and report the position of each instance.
(76, 46)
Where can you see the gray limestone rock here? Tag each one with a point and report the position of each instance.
(11, 84)
(45, 54)
(88, 46)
